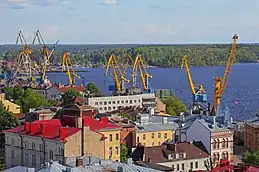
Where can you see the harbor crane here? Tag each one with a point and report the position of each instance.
(24, 62)
(198, 91)
(127, 61)
(144, 75)
(221, 83)
(66, 62)
(116, 72)
(45, 50)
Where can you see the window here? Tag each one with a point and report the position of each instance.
(180, 155)
(42, 160)
(105, 108)
(117, 150)
(110, 151)
(117, 136)
(135, 101)
(113, 102)
(165, 136)
(122, 101)
(226, 143)
(33, 160)
(223, 143)
(191, 165)
(144, 136)
(109, 108)
(153, 135)
(178, 168)
(130, 101)
(127, 101)
(159, 143)
(109, 102)
(25, 144)
(100, 103)
(12, 154)
(218, 143)
(33, 145)
(26, 157)
(96, 103)
(159, 135)
(173, 167)
(214, 144)
(61, 151)
(149, 160)
(50, 154)
(110, 137)
(41, 147)
(118, 102)
(12, 141)
(105, 103)
(182, 166)
(137, 140)
(196, 165)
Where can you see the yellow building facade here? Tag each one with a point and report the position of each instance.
(112, 144)
(11, 107)
(152, 138)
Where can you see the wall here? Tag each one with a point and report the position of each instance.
(72, 146)
(115, 143)
(198, 132)
(53, 94)
(187, 164)
(93, 143)
(149, 141)
(251, 138)
(12, 107)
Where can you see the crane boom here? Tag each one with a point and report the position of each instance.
(112, 63)
(185, 64)
(66, 62)
(221, 84)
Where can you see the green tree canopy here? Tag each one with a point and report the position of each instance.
(174, 106)
(251, 157)
(123, 152)
(92, 89)
(26, 98)
(68, 97)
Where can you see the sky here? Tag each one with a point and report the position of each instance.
(130, 21)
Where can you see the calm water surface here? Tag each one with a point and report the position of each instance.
(242, 86)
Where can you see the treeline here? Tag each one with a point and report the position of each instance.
(154, 55)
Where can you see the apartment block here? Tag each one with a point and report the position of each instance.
(33, 144)
(112, 103)
(251, 134)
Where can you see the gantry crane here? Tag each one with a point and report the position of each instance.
(198, 91)
(116, 71)
(221, 83)
(127, 61)
(45, 50)
(139, 65)
(66, 62)
(23, 61)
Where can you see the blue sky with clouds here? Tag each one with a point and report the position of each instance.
(131, 21)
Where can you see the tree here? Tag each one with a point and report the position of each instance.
(125, 115)
(251, 157)
(68, 97)
(174, 106)
(26, 98)
(123, 152)
(2, 165)
(92, 89)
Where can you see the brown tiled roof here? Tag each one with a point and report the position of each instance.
(158, 154)
(65, 88)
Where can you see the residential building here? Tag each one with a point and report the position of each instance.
(112, 103)
(2, 96)
(33, 144)
(55, 92)
(180, 157)
(152, 134)
(89, 164)
(160, 106)
(11, 107)
(127, 127)
(217, 138)
(251, 134)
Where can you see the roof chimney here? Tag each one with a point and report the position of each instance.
(79, 162)
(27, 127)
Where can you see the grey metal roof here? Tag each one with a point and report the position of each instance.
(16, 169)
(154, 127)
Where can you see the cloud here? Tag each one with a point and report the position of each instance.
(21, 4)
(109, 2)
(49, 32)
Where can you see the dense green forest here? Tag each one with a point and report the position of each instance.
(154, 55)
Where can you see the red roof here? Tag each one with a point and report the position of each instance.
(49, 129)
(65, 88)
(100, 124)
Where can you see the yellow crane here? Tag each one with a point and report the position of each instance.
(23, 60)
(198, 92)
(45, 50)
(144, 75)
(221, 84)
(127, 61)
(66, 62)
(116, 71)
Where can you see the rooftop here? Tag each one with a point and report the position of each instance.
(101, 124)
(254, 122)
(154, 127)
(48, 129)
(158, 154)
(65, 88)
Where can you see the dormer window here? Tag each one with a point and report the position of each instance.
(180, 155)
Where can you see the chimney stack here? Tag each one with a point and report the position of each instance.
(27, 127)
